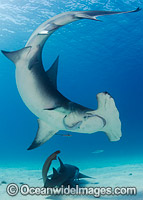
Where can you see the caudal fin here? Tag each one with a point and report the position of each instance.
(93, 14)
(108, 110)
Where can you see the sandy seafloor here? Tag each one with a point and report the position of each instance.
(121, 176)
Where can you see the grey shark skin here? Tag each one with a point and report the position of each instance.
(38, 88)
(65, 175)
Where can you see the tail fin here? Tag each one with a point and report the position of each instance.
(107, 110)
(95, 13)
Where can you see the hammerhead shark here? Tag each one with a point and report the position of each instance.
(38, 88)
(65, 175)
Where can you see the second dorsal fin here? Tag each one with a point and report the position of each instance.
(52, 72)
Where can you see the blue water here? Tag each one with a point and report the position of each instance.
(94, 57)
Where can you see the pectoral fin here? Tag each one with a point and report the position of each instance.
(14, 56)
(44, 133)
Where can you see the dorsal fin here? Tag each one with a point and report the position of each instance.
(55, 173)
(52, 72)
(62, 167)
(14, 56)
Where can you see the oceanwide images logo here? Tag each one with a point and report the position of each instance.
(13, 189)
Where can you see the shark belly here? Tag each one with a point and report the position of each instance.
(36, 98)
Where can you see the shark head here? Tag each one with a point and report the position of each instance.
(92, 122)
(83, 120)
(105, 118)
